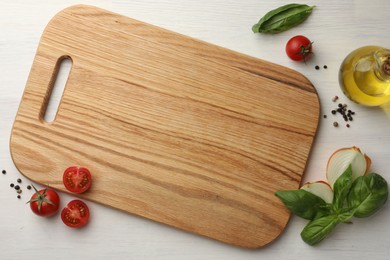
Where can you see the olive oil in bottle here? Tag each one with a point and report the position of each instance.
(364, 76)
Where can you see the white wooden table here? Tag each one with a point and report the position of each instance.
(336, 27)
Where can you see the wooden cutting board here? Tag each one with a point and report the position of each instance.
(173, 129)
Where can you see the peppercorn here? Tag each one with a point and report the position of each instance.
(12, 185)
(325, 116)
(29, 187)
(325, 67)
(317, 67)
(19, 191)
(335, 124)
(17, 187)
(18, 196)
(4, 171)
(19, 180)
(348, 125)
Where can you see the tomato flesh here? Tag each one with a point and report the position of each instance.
(75, 214)
(77, 180)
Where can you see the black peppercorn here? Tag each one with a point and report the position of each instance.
(19, 180)
(29, 187)
(19, 197)
(4, 171)
(12, 185)
(17, 187)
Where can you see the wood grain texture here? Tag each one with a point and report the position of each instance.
(173, 129)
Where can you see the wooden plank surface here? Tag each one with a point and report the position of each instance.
(173, 129)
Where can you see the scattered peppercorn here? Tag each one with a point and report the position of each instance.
(17, 187)
(12, 185)
(325, 67)
(4, 171)
(19, 180)
(347, 114)
(325, 116)
(19, 191)
(317, 67)
(348, 125)
(29, 187)
(19, 197)
(335, 124)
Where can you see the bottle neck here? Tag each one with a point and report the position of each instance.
(386, 67)
(382, 66)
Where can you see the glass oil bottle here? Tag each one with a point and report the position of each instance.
(364, 76)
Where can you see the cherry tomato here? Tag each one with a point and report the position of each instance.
(299, 48)
(75, 214)
(45, 202)
(77, 180)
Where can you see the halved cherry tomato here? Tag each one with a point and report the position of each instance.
(75, 214)
(77, 180)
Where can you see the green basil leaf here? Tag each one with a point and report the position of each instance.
(341, 188)
(302, 203)
(282, 18)
(368, 194)
(319, 229)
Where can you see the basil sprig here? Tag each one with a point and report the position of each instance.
(359, 198)
(282, 18)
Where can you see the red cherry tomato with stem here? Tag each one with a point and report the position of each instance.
(299, 48)
(75, 214)
(77, 180)
(44, 202)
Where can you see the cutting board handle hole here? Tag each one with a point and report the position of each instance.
(60, 77)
